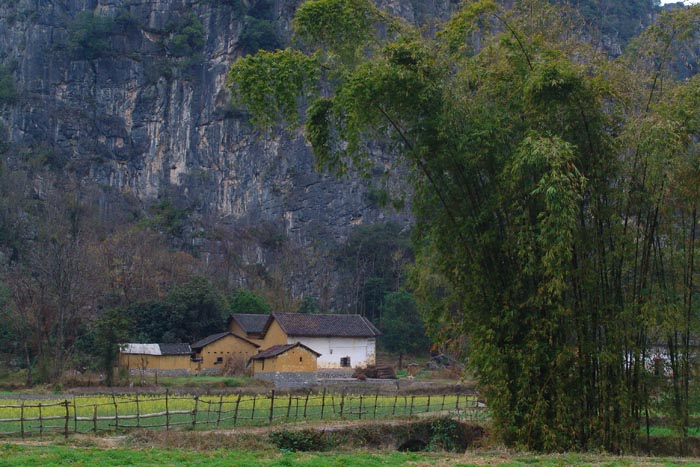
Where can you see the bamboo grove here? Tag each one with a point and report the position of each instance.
(555, 191)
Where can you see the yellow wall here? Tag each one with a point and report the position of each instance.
(155, 362)
(236, 329)
(274, 336)
(225, 348)
(295, 360)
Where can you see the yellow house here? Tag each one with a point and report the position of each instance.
(250, 326)
(155, 357)
(289, 358)
(225, 348)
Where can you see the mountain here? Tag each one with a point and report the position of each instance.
(129, 97)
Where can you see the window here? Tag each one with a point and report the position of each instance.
(219, 360)
(345, 362)
(300, 358)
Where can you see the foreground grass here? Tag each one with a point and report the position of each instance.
(51, 455)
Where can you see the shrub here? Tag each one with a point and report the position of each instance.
(89, 36)
(298, 440)
(259, 34)
(188, 38)
(8, 93)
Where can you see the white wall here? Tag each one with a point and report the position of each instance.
(361, 350)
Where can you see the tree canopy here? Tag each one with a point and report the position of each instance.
(552, 193)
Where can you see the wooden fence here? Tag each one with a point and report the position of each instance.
(86, 414)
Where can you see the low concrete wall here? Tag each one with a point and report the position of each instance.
(289, 380)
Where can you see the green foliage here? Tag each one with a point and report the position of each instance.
(259, 34)
(298, 440)
(376, 255)
(110, 330)
(378, 198)
(169, 218)
(402, 325)
(269, 83)
(309, 305)
(339, 27)
(187, 38)
(8, 92)
(245, 301)
(190, 312)
(195, 310)
(89, 36)
(546, 232)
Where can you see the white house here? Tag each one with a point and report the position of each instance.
(342, 340)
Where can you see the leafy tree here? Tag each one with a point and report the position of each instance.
(194, 310)
(245, 301)
(188, 37)
(89, 36)
(540, 171)
(402, 325)
(309, 305)
(109, 331)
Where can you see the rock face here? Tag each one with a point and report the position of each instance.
(143, 117)
(130, 94)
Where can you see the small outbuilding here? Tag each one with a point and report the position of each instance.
(161, 357)
(288, 365)
(223, 349)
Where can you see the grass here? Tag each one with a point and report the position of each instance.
(50, 456)
(202, 381)
(109, 413)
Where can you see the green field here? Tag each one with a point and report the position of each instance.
(102, 413)
(50, 456)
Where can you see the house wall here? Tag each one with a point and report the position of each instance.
(296, 360)
(275, 336)
(155, 362)
(361, 350)
(234, 328)
(225, 348)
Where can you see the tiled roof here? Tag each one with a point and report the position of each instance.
(156, 349)
(311, 325)
(215, 337)
(280, 349)
(251, 323)
(175, 349)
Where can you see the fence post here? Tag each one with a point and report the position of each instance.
(410, 413)
(252, 411)
(306, 402)
(221, 405)
(457, 403)
(194, 413)
(41, 424)
(342, 402)
(272, 405)
(235, 411)
(427, 408)
(442, 407)
(21, 419)
(393, 409)
(116, 412)
(289, 406)
(138, 410)
(65, 428)
(75, 416)
(323, 402)
(376, 397)
(94, 418)
(167, 409)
